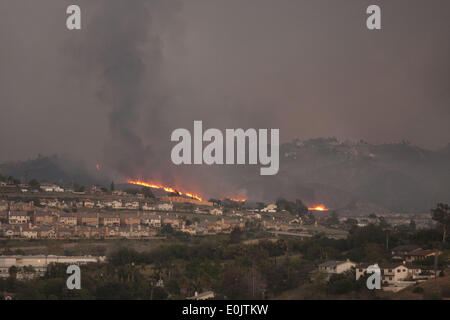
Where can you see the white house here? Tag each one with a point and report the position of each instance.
(331, 267)
(29, 233)
(270, 208)
(134, 205)
(216, 212)
(117, 204)
(165, 206)
(148, 207)
(394, 273)
(51, 188)
(40, 262)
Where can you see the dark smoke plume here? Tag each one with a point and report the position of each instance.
(123, 49)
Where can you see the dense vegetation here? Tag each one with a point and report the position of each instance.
(228, 266)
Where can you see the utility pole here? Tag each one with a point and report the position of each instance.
(435, 266)
(253, 282)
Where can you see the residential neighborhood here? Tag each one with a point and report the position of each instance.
(311, 245)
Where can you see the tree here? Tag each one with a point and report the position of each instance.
(333, 219)
(341, 283)
(300, 207)
(34, 184)
(283, 204)
(383, 223)
(123, 257)
(236, 235)
(78, 188)
(112, 186)
(351, 222)
(296, 207)
(147, 192)
(13, 270)
(412, 225)
(441, 214)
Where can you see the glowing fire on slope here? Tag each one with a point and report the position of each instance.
(318, 208)
(165, 188)
(173, 190)
(236, 199)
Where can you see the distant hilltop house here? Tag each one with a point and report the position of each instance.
(216, 211)
(332, 267)
(270, 208)
(51, 188)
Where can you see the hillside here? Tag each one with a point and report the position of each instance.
(398, 177)
(344, 175)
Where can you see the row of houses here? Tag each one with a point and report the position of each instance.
(54, 203)
(49, 217)
(116, 204)
(77, 232)
(33, 266)
(55, 225)
(213, 227)
(115, 231)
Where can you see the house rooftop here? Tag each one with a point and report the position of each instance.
(18, 213)
(421, 252)
(332, 263)
(408, 247)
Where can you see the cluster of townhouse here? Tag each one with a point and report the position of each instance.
(115, 204)
(404, 270)
(50, 216)
(61, 225)
(48, 221)
(207, 227)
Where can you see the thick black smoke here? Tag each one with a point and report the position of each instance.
(123, 50)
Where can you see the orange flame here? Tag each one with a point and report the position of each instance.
(237, 199)
(319, 208)
(167, 189)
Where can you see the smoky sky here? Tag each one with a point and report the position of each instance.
(113, 92)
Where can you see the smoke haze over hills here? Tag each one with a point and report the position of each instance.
(113, 92)
(395, 177)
